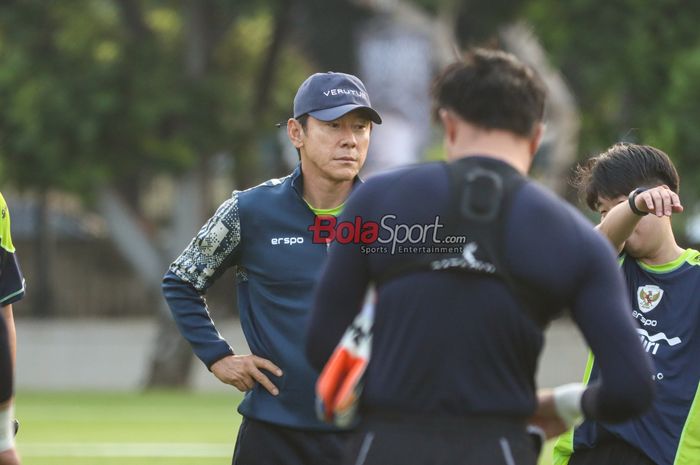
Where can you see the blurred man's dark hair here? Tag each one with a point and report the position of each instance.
(493, 90)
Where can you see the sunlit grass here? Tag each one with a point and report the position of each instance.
(153, 428)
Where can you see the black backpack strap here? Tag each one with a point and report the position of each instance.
(481, 194)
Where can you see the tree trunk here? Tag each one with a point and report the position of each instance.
(249, 169)
(171, 360)
(561, 136)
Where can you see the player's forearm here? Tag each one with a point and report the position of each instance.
(618, 225)
(601, 311)
(193, 320)
(625, 388)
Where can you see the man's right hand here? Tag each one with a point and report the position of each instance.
(9, 457)
(659, 201)
(243, 371)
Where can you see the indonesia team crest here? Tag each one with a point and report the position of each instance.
(649, 297)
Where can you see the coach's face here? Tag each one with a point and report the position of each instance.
(335, 150)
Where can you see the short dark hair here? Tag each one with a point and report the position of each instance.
(304, 121)
(492, 89)
(621, 169)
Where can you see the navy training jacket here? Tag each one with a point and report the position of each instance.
(262, 232)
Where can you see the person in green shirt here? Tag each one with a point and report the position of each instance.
(11, 290)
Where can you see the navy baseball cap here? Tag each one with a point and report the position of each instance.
(328, 96)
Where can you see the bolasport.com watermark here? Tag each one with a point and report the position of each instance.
(387, 235)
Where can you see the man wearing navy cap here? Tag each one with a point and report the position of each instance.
(264, 233)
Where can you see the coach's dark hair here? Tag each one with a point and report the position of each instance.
(304, 121)
(493, 90)
(621, 169)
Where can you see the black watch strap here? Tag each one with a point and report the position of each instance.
(631, 200)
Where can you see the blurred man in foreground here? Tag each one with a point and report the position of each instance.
(474, 263)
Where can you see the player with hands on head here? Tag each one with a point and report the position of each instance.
(620, 215)
(635, 189)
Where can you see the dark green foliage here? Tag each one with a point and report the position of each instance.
(100, 90)
(634, 66)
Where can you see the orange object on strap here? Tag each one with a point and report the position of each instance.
(340, 384)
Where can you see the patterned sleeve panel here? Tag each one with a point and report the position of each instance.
(214, 248)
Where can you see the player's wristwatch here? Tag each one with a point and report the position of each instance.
(631, 200)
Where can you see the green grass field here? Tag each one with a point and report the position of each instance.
(174, 428)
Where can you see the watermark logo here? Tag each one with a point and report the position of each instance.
(386, 235)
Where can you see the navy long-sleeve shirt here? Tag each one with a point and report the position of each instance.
(450, 343)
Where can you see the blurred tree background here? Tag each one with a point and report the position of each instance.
(149, 111)
(634, 67)
(119, 91)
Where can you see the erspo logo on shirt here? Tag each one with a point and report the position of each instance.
(286, 240)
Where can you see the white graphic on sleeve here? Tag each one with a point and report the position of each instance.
(212, 246)
(212, 238)
(651, 342)
(648, 297)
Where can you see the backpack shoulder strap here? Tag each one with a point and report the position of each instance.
(481, 194)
